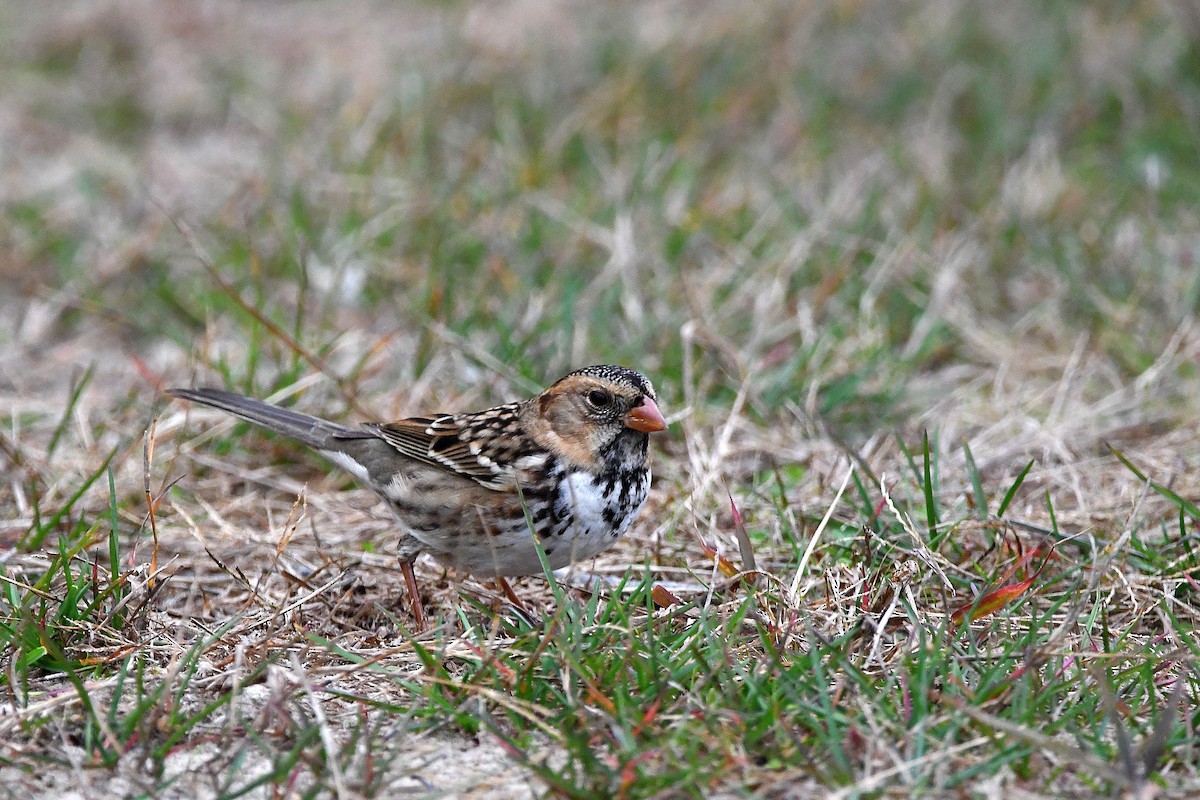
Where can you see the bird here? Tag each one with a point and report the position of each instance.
(569, 466)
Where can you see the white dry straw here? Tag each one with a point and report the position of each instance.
(812, 543)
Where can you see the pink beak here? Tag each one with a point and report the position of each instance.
(646, 417)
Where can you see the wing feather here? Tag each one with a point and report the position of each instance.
(442, 441)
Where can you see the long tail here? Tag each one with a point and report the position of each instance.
(312, 431)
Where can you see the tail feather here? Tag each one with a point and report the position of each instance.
(312, 431)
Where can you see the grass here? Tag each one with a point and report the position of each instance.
(916, 285)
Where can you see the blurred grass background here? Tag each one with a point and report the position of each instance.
(837, 195)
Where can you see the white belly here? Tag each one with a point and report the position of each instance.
(597, 521)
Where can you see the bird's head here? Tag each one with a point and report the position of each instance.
(586, 411)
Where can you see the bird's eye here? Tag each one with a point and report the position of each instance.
(599, 399)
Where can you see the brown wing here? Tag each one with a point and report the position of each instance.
(453, 443)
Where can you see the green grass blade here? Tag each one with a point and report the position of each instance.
(932, 518)
(37, 535)
(1183, 503)
(78, 385)
(1012, 490)
(980, 496)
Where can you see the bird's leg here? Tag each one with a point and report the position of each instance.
(507, 589)
(418, 609)
(509, 593)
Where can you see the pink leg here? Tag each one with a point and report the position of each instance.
(512, 597)
(418, 609)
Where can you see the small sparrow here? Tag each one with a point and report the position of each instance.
(569, 464)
